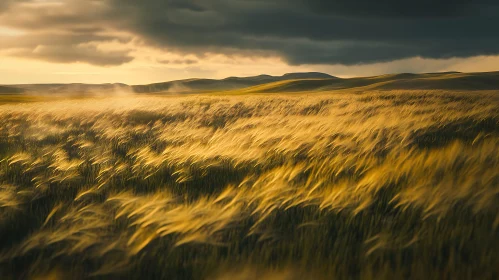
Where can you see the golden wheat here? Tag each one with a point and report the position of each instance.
(106, 180)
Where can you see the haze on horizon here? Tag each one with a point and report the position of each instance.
(139, 42)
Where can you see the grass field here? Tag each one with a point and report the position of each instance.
(342, 185)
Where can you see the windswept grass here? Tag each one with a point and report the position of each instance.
(379, 185)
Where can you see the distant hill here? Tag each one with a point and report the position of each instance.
(180, 86)
(231, 83)
(404, 81)
(70, 89)
(10, 90)
(292, 82)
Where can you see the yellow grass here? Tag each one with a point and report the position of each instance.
(318, 182)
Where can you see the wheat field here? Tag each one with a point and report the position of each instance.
(343, 185)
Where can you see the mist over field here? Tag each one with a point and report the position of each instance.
(295, 183)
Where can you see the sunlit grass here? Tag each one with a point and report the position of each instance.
(375, 185)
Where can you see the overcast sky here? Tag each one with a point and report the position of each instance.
(144, 41)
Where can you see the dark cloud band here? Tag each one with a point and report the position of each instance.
(321, 32)
(301, 31)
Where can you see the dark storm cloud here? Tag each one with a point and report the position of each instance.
(329, 32)
(392, 8)
(301, 31)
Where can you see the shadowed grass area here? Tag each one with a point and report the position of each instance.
(350, 185)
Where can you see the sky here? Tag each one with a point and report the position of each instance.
(146, 41)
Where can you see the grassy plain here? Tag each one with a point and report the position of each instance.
(327, 185)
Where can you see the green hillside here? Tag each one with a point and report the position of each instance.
(289, 83)
(230, 83)
(406, 81)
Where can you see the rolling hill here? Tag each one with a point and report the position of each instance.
(231, 83)
(405, 81)
(178, 86)
(10, 90)
(67, 89)
(292, 82)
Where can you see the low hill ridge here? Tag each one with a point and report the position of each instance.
(290, 82)
(230, 83)
(403, 81)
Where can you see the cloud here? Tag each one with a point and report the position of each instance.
(299, 31)
(393, 8)
(177, 61)
(63, 31)
(324, 32)
(73, 54)
(4, 5)
(66, 48)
